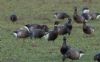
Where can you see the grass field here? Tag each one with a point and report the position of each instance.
(41, 12)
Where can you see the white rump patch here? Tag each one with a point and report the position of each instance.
(55, 16)
(46, 36)
(81, 54)
(98, 16)
(15, 34)
(27, 28)
(86, 11)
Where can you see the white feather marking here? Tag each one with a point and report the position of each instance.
(55, 16)
(15, 34)
(98, 16)
(92, 29)
(27, 28)
(46, 36)
(81, 54)
(86, 11)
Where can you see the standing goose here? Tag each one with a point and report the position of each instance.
(69, 25)
(97, 57)
(64, 48)
(74, 54)
(87, 29)
(69, 52)
(13, 18)
(61, 15)
(77, 18)
(21, 33)
(52, 35)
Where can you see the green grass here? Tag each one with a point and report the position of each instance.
(41, 12)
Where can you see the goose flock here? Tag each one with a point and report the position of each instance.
(38, 31)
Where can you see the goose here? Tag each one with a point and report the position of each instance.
(77, 18)
(31, 27)
(69, 25)
(64, 48)
(37, 33)
(52, 35)
(87, 29)
(97, 57)
(85, 10)
(61, 15)
(91, 15)
(69, 52)
(13, 18)
(66, 28)
(21, 33)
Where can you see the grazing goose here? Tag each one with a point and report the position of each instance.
(64, 47)
(77, 18)
(92, 16)
(61, 15)
(74, 54)
(37, 33)
(31, 27)
(87, 29)
(97, 57)
(13, 18)
(21, 33)
(52, 35)
(95, 16)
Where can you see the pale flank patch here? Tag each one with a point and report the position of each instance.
(55, 15)
(46, 36)
(26, 28)
(86, 11)
(81, 54)
(92, 29)
(98, 16)
(15, 34)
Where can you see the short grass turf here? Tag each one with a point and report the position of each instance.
(41, 12)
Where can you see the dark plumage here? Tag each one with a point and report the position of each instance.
(66, 28)
(90, 16)
(69, 52)
(74, 54)
(69, 25)
(64, 47)
(61, 15)
(13, 18)
(86, 16)
(21, 33)
(37, 33)
(77, 18)
(52, 35)
(87, 29)
(97, 57)
(31, 27)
